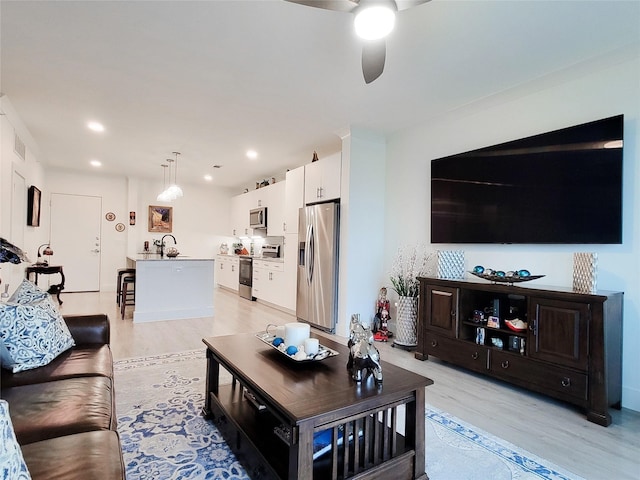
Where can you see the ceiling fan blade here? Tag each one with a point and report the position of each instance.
(373, 57)
(337, 5)
(404, 4)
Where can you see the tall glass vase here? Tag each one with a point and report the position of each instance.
(406, 323)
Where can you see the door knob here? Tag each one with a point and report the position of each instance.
(95, 250)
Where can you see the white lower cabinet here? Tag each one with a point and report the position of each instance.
(269, 281)
(227, 271)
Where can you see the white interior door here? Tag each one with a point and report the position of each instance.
(75, 240)
(18, 210)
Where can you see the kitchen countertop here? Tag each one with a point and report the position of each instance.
(157, 257)
(255, 257)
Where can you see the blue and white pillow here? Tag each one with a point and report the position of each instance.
(33, 334)
(27, 292)
(11, 460)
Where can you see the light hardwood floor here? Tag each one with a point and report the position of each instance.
(550, 429)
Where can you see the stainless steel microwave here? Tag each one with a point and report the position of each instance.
(258, 218)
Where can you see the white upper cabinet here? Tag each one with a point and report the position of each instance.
(276, 209)
(322, 179)
(239, 216)
(294, 199)
(271, 197)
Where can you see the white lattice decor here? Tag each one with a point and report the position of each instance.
(406, 324)
(585, 266)
(451, 264)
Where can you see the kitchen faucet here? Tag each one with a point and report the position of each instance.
(162, 243)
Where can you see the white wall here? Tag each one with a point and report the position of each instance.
(200, 218)
(541, 107)
(362, 226)
(15, 230)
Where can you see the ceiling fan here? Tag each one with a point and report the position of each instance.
(374, 20)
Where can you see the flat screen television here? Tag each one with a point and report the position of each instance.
(560, 187)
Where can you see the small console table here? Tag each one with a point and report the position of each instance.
(48, 270)
(274, 408)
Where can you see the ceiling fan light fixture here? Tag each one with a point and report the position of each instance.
(374, 22)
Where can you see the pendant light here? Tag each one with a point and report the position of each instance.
(174, 190)
(162, 196)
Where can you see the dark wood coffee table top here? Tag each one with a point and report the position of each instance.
(308, 389)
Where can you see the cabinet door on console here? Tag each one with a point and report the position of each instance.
(558, 332)
(442, 310)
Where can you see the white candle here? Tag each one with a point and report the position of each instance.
(296, 333)
(311, 346)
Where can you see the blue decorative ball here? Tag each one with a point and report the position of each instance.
(292, 350)
(523, 273)
(499, 273)
(478, 269)
(277, 341)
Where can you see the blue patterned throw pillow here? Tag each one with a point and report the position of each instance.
(27, 292)
(33, 334)
(12, 464)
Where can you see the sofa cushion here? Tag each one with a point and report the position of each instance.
(64, 407)
(33, 334)
(12, 465)
(79, 361)
(26, 293)
(82, 456)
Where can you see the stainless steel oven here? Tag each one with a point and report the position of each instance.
(245, 277)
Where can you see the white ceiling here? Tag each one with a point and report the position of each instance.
(211, 79)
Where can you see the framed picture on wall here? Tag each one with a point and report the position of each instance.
(160, 219)
(33, 207)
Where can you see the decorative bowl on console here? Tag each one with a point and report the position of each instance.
(499, 276)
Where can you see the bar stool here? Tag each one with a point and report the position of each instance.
(128, 294)
(121, 273)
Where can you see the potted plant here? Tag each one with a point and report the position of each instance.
(409, 264)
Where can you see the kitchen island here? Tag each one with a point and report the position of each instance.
(172, 288)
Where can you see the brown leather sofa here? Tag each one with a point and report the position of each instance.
(64, 414)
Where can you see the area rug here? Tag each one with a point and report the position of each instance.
(164, 436)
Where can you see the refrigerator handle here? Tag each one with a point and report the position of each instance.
(312, 252)
(307, 248)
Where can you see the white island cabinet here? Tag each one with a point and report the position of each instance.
(172, 288)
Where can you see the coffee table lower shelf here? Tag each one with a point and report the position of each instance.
(251, 435)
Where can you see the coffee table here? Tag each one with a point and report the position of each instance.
(274, 407)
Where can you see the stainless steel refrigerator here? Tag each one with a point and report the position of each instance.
(317, 298)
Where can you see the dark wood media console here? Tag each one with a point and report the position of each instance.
(571, 349)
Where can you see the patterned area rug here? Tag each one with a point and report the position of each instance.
(164, 436)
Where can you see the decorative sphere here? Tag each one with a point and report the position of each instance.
(277, 341)
(523, 273)
(478, 269)
(510, 273)
(499, 273)
(292, 350)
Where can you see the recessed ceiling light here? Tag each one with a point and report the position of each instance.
(96, 163)
(96, 126)
(208, 177)
(252, 154)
